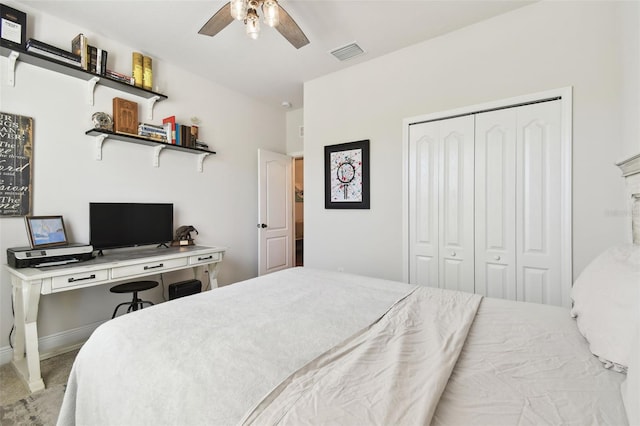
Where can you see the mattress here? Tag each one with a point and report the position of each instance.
(318, 347)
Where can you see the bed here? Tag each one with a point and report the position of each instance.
(307, 346)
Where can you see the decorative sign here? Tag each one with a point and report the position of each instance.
(16, 152)
(347, 175)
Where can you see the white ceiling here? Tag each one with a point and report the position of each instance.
(270, 69)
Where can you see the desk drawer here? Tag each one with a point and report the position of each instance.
(79, 279)
(148, 268)
(205, 258)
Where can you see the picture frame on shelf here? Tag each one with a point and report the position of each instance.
(346, 172)
(46, 231)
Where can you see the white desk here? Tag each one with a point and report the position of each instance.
(29, 283)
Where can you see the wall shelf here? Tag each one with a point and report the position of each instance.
(16, 55)
(101, 135)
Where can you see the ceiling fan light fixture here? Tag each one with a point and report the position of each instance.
(247, 12)
(252, 24)
(270, 10)
(239, 9)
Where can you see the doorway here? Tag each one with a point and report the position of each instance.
(298, 210)
(275, 206)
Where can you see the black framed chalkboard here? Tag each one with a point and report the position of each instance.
(16, 153)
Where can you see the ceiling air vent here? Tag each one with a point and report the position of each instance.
(347, 52)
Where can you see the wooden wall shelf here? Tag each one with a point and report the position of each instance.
(158, 146)
(16, 55)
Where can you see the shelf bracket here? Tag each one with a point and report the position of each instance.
(201, 158)
(99, 141)
(156, 155)
(150, 102)
(91, 86)
(11, 68)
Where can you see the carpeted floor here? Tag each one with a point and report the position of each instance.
(19, 407)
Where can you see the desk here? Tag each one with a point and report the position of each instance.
(29, 283)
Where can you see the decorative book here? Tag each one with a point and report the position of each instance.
(125, 116)
(44, 49)
(171, 121)
(136, 68)
(147, 73)
(80, 47)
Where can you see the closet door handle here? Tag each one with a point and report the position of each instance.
(497, 258)
(453, 254)
(262, 225)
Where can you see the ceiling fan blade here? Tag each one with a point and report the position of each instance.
(217, 22)
(290, 30)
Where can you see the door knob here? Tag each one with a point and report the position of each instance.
(262, 225)
(497, 258)
(453, 254)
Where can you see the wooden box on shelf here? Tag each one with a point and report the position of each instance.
(125, 116)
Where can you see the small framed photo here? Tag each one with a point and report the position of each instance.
(46, 231)
(346, 175)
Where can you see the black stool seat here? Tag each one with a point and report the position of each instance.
(133, 287)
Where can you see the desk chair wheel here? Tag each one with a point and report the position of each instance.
(133, 287)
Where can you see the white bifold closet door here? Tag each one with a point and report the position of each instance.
(441, 204)
(484, 203)
(538, 217)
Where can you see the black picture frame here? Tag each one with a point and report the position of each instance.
(46, 231)
(346, 175)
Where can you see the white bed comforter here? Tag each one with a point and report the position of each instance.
(393, 373)
(255, 352)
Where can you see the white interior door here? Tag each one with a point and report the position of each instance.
(441, 203)
(495, 204)
(538, 203)
(423, 203)
(275, 209)
(516, 162)
(456, 204)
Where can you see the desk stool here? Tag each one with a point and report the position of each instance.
(132, 287)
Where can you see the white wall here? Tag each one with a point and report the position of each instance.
(221, 202)
(295, 143)
(543, 46)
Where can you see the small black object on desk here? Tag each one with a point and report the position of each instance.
(133, 287)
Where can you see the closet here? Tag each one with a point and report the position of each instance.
(485, 203)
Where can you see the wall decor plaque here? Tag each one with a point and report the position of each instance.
(16, 153)
(125, 116)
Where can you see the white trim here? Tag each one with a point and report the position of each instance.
(566, 95)
(405, 200)
(57, 343)
(566, 197)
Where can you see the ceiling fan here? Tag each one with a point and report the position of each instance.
(247, 10)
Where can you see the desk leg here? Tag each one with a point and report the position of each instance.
(26, 296)
(213, 269)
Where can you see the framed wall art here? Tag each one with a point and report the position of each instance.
(16, 152)
(346, 175)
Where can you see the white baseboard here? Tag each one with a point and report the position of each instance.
(57, 343)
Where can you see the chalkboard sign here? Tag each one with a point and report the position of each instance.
(16, 152)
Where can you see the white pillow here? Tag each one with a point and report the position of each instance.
(606, 304)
